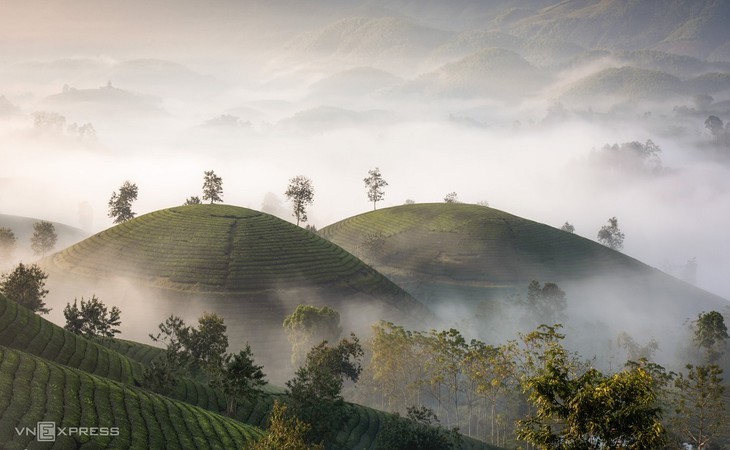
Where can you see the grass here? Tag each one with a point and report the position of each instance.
(33, 389)
(472, 252)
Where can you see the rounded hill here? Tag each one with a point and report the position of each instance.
(448, 254)
(250, 267)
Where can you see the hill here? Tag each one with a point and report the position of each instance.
(248, 266)
(624, 83)
(453, 256)
(22, 228)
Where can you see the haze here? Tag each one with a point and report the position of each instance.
(264, 91)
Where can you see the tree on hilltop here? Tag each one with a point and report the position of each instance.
(212, 187)
(194, 200)
(611, 236)
(93, 319)
(375, 184)
(301, 192)
(451, 197)
(568, 227)
(120, 205)
(44, 237)
(25, 285)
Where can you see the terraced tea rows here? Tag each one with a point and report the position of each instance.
(28, 332)
(115, 415)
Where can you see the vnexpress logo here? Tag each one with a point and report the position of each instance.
(47, 431)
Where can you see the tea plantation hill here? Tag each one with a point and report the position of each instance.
(250, 267)
(50, 374)
(22, 228)
(460, 253)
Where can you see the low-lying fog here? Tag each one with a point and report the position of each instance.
(259, 115)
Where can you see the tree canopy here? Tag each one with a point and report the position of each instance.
(120, 204)
(212, 187)
(44, 237)
(25, 284)
(301, 192)
(92, 319)
(611, 236)
(375, 184)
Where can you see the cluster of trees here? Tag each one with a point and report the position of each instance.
(25, 284)
(45, 122)
(533, 390)
(720, 132)
(42, 241)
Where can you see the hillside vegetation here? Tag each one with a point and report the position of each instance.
(464, 254)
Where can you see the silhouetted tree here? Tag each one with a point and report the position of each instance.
(25, 285)
(611, 236)
(93, 319)
(375, 184)
(44, 237)
(195, 200)
(451, 197)
(568, 227)
(212, 187)
(301, 192)
(7, 243)
(120, 205)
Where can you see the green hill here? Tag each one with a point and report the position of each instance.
(624, 83)
(22, 227)
(252, 268)
(456, 254)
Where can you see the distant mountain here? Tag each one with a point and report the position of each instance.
(624, 83)
(354, 83)
(488, 73)
(107, 100)
(22, 227)
(330, 117)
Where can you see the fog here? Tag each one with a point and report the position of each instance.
(255, 92)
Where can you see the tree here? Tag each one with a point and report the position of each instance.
(714, 124)
(589, 410)
(120, 205)
(25, 285)
(238, 377)
(451, 197)
(315, 392)
(301, 192)
(710, 334)
(546, 304)
(212, 187)
(308, 326)
(375, 184)
(568, 227)
(195, 200)
(611, 236)
(284, 432)
(93, 319)
(700, 408)
(44, 237)
(419, 431)
(7, 243)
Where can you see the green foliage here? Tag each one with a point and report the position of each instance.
(284, 433)
(308, 326)
(120, 205)
(301, 192)
(212, 187)
(710, 334)
(238, 377)
(420, 431)
(701, 414)
(451, 197)
(315, 393)
(584, 409)
(93, 319)
(44, 237)
(611, 236)
(194, 200)
(375, 184)
(25, 285)
(7, 243)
